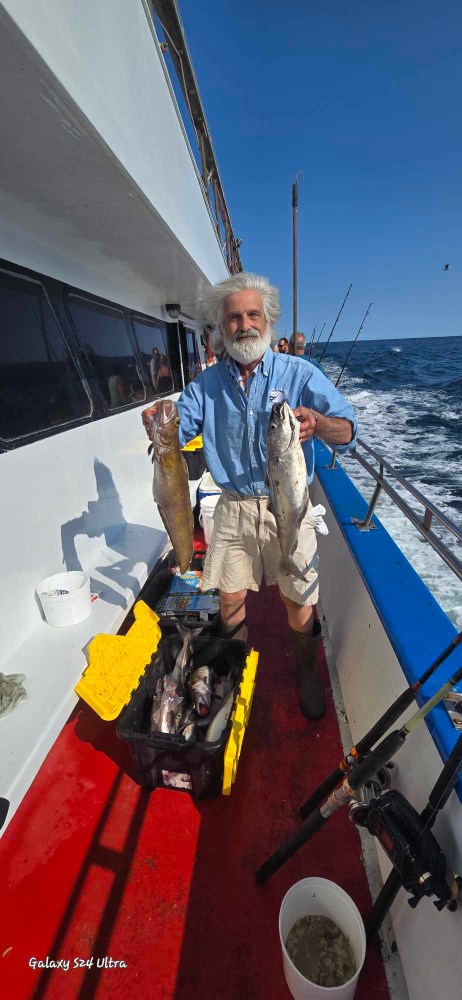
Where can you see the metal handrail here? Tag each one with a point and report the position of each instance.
(430, 510)
(435, 512)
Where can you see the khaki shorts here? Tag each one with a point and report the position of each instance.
(244, 546)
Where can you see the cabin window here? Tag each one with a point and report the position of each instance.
(193, 360)
(153, 342)
(40, 384)
(104, 338)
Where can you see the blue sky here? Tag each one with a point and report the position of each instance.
(363, 98)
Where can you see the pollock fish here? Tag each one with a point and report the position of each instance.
(189, 727)
(167, 716)
(170, 486)
(222, 686)
(219, 720)
(200, 689)
(188, 635)
(156, 704)
(287, 481)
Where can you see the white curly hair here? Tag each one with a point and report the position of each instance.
(213, 297)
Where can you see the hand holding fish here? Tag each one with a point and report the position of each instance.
(147, 418)
(332, 430)
(308, 420)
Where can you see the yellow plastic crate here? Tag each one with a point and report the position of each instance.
(194, 445)
(116, 663)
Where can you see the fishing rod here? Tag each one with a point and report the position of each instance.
(319, 338)
(335, 324)
(359, 775)
(312, 341)
(353, 344)
(372, 737)
(437, 799)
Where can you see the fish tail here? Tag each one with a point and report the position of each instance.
(289, 568)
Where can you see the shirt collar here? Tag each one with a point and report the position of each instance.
(263, 365)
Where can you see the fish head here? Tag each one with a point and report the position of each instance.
(283, 429)
(200, 689)
(165, 423)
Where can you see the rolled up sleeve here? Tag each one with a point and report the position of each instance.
(320, 394)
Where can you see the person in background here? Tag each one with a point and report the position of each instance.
(230, 405)
(164, 375)
(301, 349)
(297, 345)
(283, 345)
(154, 366)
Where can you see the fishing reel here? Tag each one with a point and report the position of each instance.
(410, 845)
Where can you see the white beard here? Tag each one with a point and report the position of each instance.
(248, 348)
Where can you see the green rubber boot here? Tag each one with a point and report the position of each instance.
(238, 631)
(305, 647)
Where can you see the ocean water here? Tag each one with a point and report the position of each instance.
(407, 395)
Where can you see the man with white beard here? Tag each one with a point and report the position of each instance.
(230, 405)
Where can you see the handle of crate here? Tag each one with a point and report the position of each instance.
(239, 722)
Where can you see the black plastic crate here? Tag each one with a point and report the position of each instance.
(170, 761)
(196, 463)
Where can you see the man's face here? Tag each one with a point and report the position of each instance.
(244, 326)
(283, 346)
(299, 345)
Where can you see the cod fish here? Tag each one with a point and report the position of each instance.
(287, 481)
(170, 487)
(200, 689)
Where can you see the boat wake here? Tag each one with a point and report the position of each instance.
(417, 425)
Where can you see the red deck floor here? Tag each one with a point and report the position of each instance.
(93, 865)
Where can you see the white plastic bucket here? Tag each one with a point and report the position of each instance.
(208, 505)
(65, 609)
(207, 487)
(320, 897)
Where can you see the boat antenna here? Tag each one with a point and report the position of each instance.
(336, 321)
(295, 247)
(353, 344)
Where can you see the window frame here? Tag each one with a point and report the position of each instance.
(10, 443)
(144, 318)
(71, 290)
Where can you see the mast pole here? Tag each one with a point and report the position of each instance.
(294, 254)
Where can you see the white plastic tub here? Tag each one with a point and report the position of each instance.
(208, 504)
(68, 608)
(320, 897)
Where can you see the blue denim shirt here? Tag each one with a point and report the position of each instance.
(234, 425)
